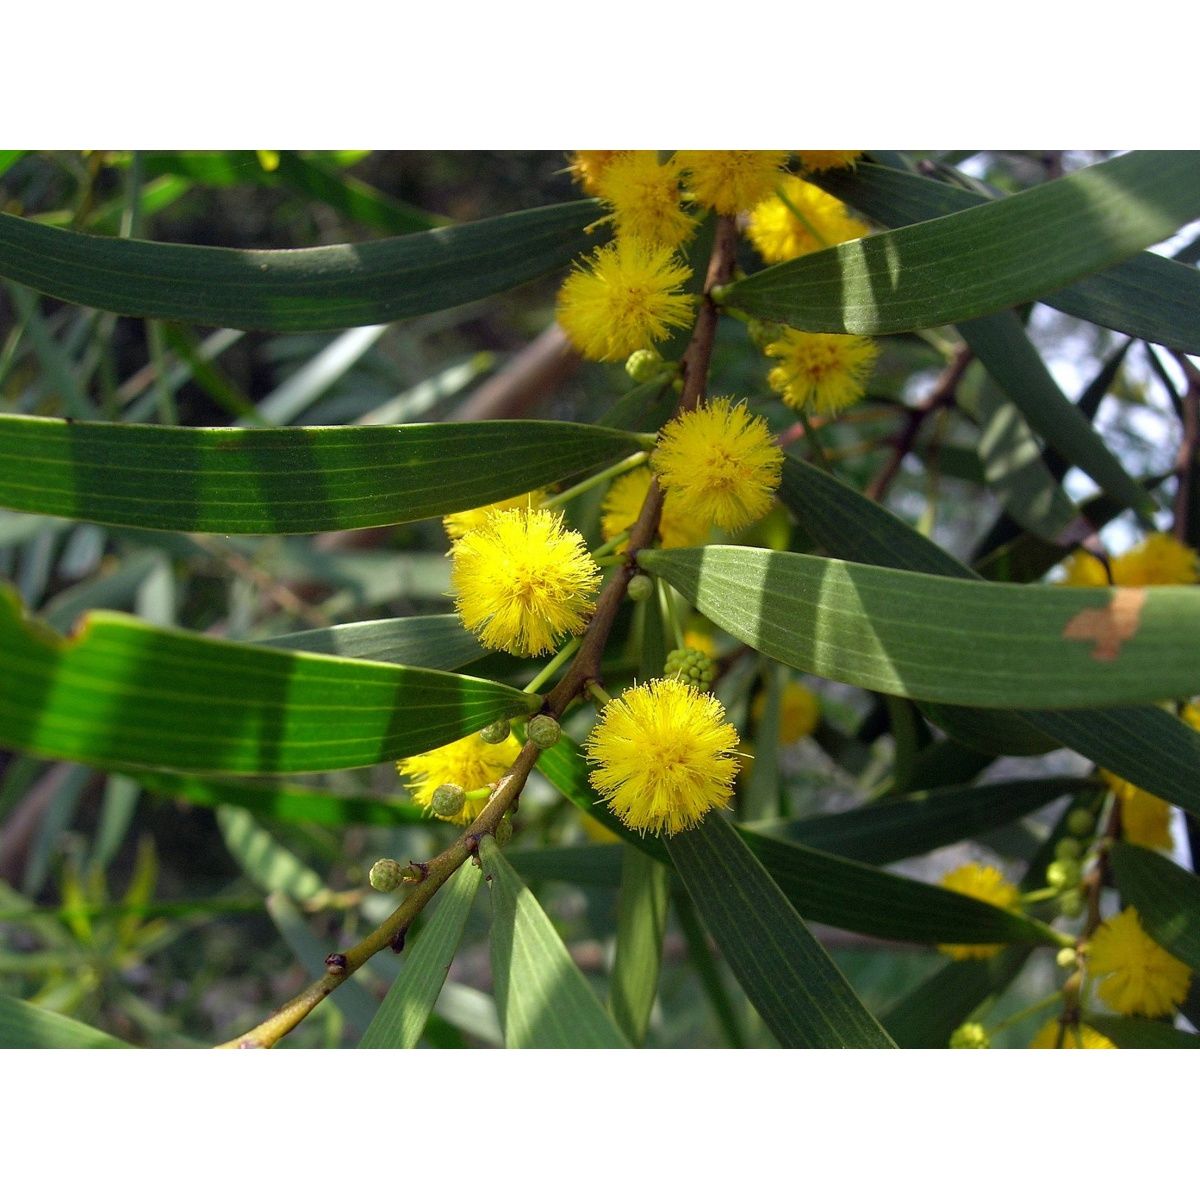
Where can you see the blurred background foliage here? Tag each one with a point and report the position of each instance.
(171, 923)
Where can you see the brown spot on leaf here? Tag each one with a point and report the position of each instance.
(1109, 627)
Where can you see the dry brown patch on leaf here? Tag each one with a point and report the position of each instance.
(1109, 627)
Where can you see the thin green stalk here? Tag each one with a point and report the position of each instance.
(1017, 1017)
(611, 544)
(626, 464)
(568, 648)
(671, 613)
(597, 693)
(814, 438)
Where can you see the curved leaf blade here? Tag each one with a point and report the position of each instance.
(543, 999)
(1167, 899)
(288, 480)
(400, 1020)
(441, 642)
(795, 986)
(327, 287)
(927, 637)
(1148, 296)
(1136, 1033)
(984, 258)
(24, 1026)
(120, 692)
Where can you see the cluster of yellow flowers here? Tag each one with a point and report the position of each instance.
(628, 295)
(1160, 560)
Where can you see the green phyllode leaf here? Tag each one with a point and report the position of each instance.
(792, 983)
(288, 480)
(544, 1001)
(985, 258)
(24, 1026)
(119, 692)
(932, 638)
(327, 287)
(1167, 899)
(401, 1018)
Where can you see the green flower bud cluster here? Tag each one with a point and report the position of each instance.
(971, 1036)
(692, 666)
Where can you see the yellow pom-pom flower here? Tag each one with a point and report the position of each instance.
(980, 883)
(470, 762)
(827, 160)
(732, 181)
(821, 372)
(1054, 1036)
(664, 756)
(521, 581)
(1145, 818)
(588, 167)
(643, 195)
(1190, 715)
(1161, 560)
(456, 524)
(720, 463)
(695, 639)
(799, 712)
(1137, 976)
(623, 298)
(799, 220)
(678, 526)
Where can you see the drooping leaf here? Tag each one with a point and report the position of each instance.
(1167, 899)
(641, 922)
(24, 1026)
(1147, 295)
(793, 984)
(290, 480)
(327, 287)
(932, 638)
(401, 1018)
(543, 1000)
(119, 692)
(440, 642)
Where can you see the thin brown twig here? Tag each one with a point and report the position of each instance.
(585, 668)
(941, 396)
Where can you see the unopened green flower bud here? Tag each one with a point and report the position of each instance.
(763, 333)
(386, 875)
(641, 587)
(543, 731)
(971, 1036)
(1081, 822)
(495, 733)
(643, 366)
(1068, 847)
(504, 830)
(448, 800)
(1070, 904)
(692, 666)
(1066, 957)
(1062, 873)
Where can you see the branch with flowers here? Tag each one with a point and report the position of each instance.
(701, 615)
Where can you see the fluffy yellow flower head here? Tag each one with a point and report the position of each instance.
(827, 160)
(470, 762)
(980, 883)
(1191, 715)
(720, 463)
(695, 639)
(1145, 819)
(731, 181)
(588, 167)
(1072, 1037)
(521, 581)
(623, 298)
(664, 756)
(823, 372)
(1139, 975)
(678, 526)
(456, 524)
(644, 197)
(799, 712)
(1159, 560)
(801, 220)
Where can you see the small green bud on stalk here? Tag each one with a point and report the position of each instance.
(763, 333)
(1068, 847)
(386, 875)
(1063, 873)
(971, 1036)
(496, 732)
(1070, 904)
(543, 731)
(644, 366)
(1066, 957)
(448, 800)
(1081, 822)
(641, 587)
(504, 830)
